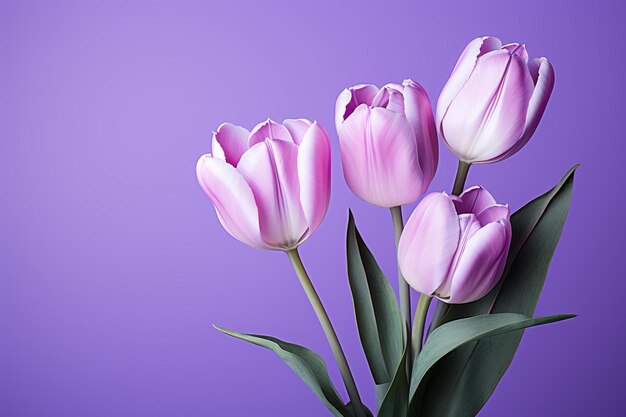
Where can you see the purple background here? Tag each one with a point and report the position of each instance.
(113, 264)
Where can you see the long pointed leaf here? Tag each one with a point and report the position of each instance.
(375, 307)
(308, 365)
(396, 400)
(453, 335)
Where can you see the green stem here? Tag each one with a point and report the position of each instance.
(419, 322)
(440, 310)
(457, 189)
(329, 331)
(461, 176)
(403, 287)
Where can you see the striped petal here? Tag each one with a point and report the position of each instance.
(379, 157)
(474, 200)
(481, 263)
(419, 113)
(297, 128)
(314, 175)
(269, 168)
(350, 99)
(268, 129)
(488, 115)
(462, 71)
(232, 198)
(428, 243)
(542, 74)
(229, 142)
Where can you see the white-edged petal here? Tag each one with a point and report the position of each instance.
(297, 128)
(232, 198)
(419, 113)
(270, 168)
(488, 115)
(462, 71)
(379, 157)
(268, 129)
(429, 242)
(542, 74)
(229, 142)
(481, 263)
(314, 175)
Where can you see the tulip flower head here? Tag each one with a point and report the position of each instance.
(455, 248)
(493, 101)
(388, 142)
(270, 186)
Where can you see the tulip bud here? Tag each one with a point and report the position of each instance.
(271, 186)
(493, 101)
(455, 248)
(388, 142)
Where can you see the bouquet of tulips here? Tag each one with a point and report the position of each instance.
(484, 266)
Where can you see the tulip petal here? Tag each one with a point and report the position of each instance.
(468, 226)
(268, 129)
(488, 115)
(462, 71)
(216, 149)
(516, 48)
(394, 86)
(542, 74)
(232, 198)
(481, 263)
(314, 175)
(390, 97)
(493, 214)
(340, 107)
(297, 128)
(474, 200)
(381, 99)
(270, 168)
(229, 142)
(428, 243)
(369, 139)
(420, 115)
(349, 100)
(396, 101)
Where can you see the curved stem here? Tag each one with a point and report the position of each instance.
(419, 322)
(403, 287)
(329, 331)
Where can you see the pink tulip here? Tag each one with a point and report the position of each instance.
(455, 248)
(271, 186)
(388, 142)
(493, 101)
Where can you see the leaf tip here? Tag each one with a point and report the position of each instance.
(219, 328)
(571, 171)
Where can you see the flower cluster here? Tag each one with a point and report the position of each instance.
(271, 189)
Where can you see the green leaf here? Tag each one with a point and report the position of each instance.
(381, 390)
(462, 382)
(396, 401)
(308, 365)
(368, 413)
(455, 334)
(375, 307)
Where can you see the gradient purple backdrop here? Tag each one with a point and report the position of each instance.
(113, 264)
